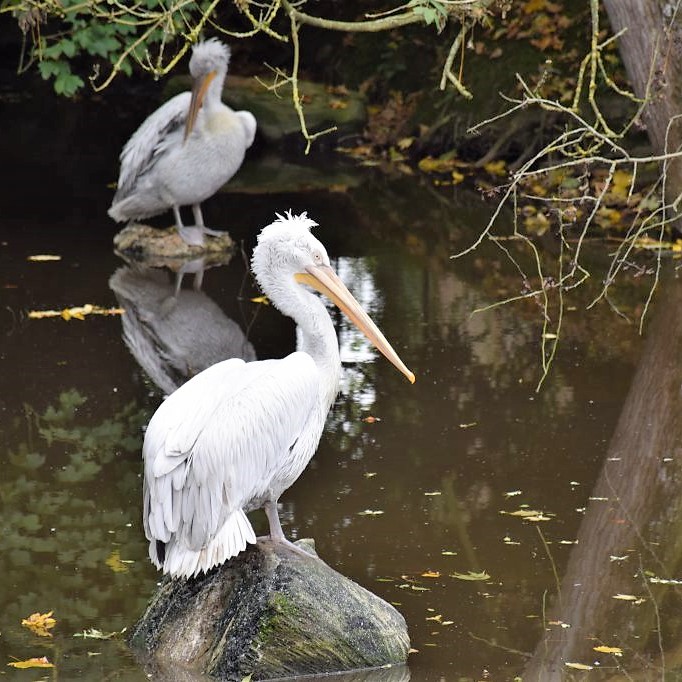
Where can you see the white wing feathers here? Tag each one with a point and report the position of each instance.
(212, 447)
(157, 132)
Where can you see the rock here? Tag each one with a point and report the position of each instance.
(156, 247)
(269, 613)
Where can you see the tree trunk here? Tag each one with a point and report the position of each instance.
(651, 49)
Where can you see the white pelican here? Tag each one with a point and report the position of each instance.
(237, 435)
(184, 152)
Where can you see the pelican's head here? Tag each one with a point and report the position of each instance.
(210, 59)
(287, 253)
(207, 56)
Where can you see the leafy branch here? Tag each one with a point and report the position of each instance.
(586, 145)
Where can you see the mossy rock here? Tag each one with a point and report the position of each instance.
(270, 613)
(158, 247)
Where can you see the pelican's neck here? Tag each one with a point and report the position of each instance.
(316, 335)
(214, 94)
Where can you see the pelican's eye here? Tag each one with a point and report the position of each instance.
(318, 258)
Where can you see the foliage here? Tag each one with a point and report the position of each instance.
(112, 36)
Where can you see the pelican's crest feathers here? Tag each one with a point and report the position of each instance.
(209, 55)
(289, 219)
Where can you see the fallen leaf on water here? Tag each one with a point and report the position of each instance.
(94, 633)
(437, 618)
(41, 662)
(370, 474)
(468, 426)
(431, 574)
(447, 552)
(40, 623)
(261, 299)
(625, 597)
(433, 493)
(664, 581)
(43, 258)
(512, 493)
(471, 575)
(615, 650)
(370, 512)
(78, 312)
(579, 666)
(116, 564)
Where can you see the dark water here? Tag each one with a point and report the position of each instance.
(400, 503)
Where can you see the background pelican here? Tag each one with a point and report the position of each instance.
(184, 152)
(238, 434)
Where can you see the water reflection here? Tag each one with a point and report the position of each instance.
(623, 574)
(174, 332)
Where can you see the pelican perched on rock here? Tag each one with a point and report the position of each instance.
(237, 435)
(186, 150)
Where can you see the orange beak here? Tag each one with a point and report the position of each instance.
(198, 93)
(323, 279)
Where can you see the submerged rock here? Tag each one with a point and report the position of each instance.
(145, 243)
(269, 613)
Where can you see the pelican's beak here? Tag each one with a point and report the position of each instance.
(323, 279)
(198, 93)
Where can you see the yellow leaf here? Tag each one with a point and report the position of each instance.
(437, 618)
(534, 6)
(579, 666)
(537, 224)
(43, 258)
(261, 299)
(115, 563)
(41, 662)
(615, 650)
(431, 165)
(625, 597)
(78, 312)
(431, 574)
(457, 177)
(497, 168)
(40, 623)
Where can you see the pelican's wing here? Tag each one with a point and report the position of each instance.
(214, 444)
(163, 127)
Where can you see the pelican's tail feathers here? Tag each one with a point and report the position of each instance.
(231, 539)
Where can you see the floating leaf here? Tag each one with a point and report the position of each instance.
(447, 552)
(41, 662)
(433, 493)
(437, 618)
(370, 512)
(116, 564)
(40, 623)
(513, 493)
(471, 575)
(43, 258)
(615, 650)
(78, 312)
(431, 574)
(579, 666)
(94, 633)
(468, 426)
(625, 597)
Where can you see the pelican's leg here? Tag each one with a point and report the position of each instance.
(276, 532)
(199, 222)
(194, 236)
